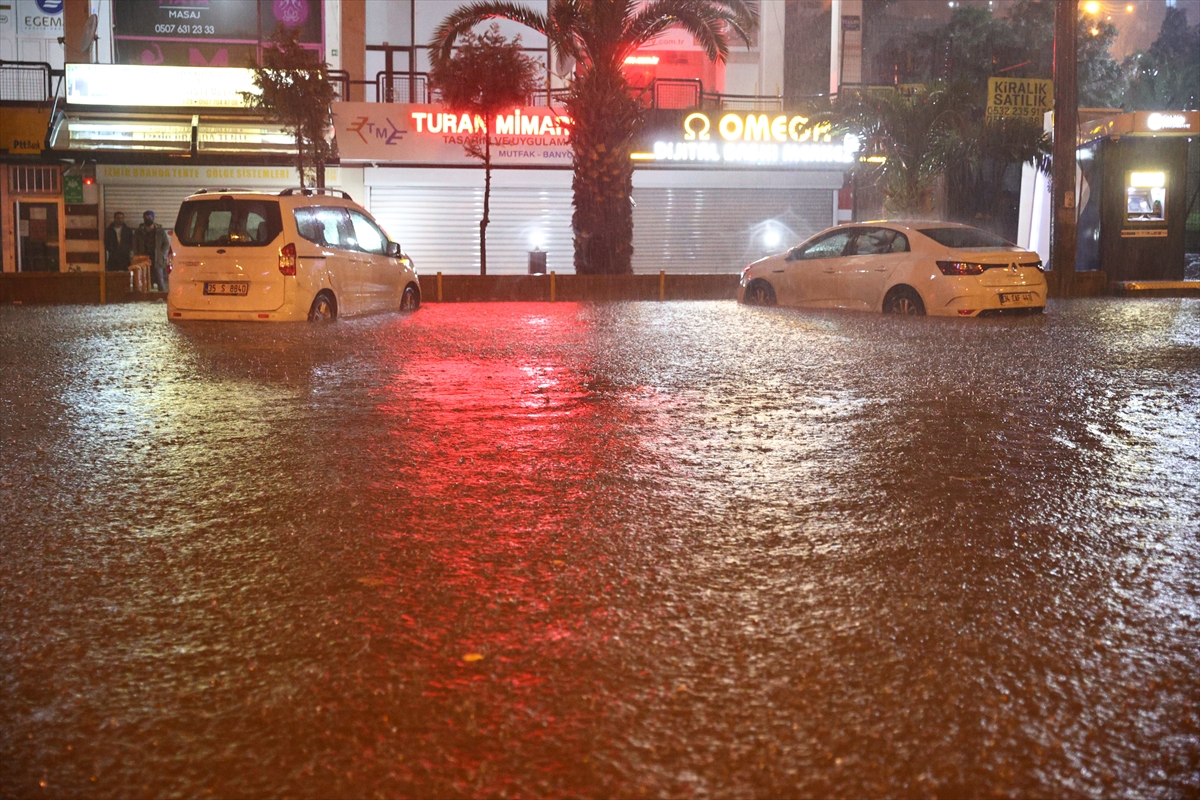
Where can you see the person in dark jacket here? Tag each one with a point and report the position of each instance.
(151, 240)
(118, 244)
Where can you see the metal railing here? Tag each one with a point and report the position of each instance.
(681, 93)
(402, 87)
(340, 78)
(25, 81)
(675, 93)
(740, 102)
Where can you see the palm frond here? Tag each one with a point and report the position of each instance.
(465, 18)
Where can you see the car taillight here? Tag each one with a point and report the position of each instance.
(961, 268)
(1037, 264)
(287, 259)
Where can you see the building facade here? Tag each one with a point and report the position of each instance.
(138, 100)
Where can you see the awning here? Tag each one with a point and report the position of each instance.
(211, 133)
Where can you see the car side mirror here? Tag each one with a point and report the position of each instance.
(393, 249)
(793, 254)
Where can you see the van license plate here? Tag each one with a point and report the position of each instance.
(1019, 297)
(240, 289)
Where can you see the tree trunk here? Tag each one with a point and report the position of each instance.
(487, 198)
(300, 159)
(605, 118)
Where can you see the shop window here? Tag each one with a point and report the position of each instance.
(1145, 197)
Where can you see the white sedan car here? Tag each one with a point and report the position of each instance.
(937, 268)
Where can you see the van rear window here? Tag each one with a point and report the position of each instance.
(228, 222)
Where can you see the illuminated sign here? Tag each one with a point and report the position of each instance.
(214, 33)
(1167, 122)
(1148, 180)
(161, 87)
(752, 139)
(401, 133)
(1029, 98)
(641, 60)
(129, 136)
(515, 123)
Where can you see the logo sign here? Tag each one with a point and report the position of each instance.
(162, 87)
(1010, 97)
(401, 133)
(40, 19)
(751, 140)
(1160, 121)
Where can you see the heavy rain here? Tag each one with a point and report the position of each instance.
(686, 549)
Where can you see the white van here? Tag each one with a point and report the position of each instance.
(301, 254)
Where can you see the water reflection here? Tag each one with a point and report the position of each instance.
(575, 550)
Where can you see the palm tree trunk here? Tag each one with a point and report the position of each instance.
(605, 117)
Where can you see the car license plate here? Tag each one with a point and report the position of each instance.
(239, 289)
(1017, 297)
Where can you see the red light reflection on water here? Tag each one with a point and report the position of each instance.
(497, 435)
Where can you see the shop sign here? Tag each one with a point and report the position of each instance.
(160, 87)
(73, 189)
(1166, 121)
(749, 139)
(40, 19)
(400, 133)
(23, 130)
(201, 177)
(207, 32)
(1011, 97)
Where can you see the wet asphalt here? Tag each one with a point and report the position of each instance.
(623, 550)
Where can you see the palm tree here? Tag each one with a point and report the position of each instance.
(904, 140)
(597, 36)
(485, 76)
(911, 143)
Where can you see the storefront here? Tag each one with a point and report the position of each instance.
(152, 135)
(690, 215)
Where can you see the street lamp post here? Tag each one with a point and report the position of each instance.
(1066, 132)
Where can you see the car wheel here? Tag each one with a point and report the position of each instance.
(410, 300)
(904, 301)
(759, 293)
(324, 308)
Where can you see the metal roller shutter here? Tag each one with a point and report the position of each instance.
(164, 201)
(681, 230)
(439, 226)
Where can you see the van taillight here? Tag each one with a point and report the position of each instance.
(287, 259)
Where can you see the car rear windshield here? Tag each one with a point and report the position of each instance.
(228, 222)
(965, 237)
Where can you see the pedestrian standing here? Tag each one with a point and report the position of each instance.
(150, 240)
(118, 244)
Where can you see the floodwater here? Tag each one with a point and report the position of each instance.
(572, 550)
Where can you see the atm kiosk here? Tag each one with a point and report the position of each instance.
(1133, 194)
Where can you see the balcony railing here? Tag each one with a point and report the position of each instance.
(26, 82)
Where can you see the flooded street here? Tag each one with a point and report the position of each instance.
(572, 550)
